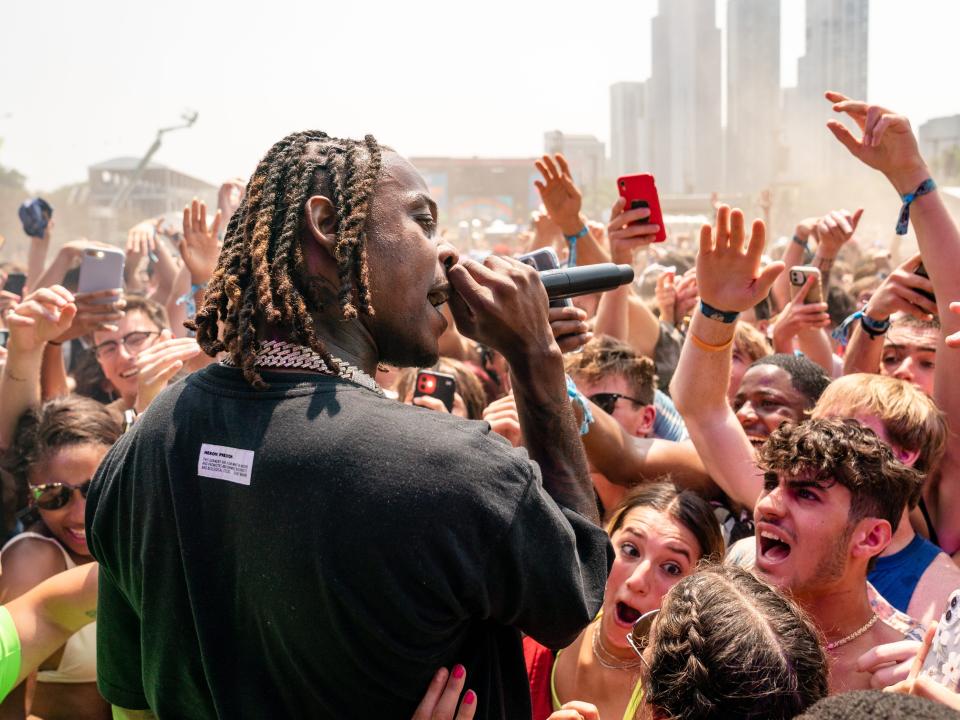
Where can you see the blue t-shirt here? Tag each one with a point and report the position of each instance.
(896, 576)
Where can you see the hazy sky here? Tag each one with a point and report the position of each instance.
(82, 82)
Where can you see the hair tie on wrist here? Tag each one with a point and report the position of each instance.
(707, 347)
(719, 315)
(927, 186)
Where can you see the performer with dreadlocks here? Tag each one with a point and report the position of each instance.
(276, 538)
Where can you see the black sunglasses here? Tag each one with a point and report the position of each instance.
(53, 496)
(608, 401)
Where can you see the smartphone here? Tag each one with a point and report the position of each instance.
(101, 269)
(946, 643)
(4, 338)
(545, 259)
(922, 272)
(438, 385)
(798, 276)
(641, 191)
(15, 283)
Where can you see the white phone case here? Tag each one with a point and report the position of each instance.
(943, 661)
(101, 269)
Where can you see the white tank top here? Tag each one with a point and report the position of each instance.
(79, 661)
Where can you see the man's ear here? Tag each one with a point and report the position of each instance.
(647, 418)
(870, 538)
(321, 222)
(907, 457)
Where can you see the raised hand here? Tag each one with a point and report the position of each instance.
(890, 663)
(560, 195)
(502, 304)
(729, 274)
(141, 239)
(440, 700)
(95, 314)
(901, 291)
(887, 144)
(628, 232)
(156, 365)
(229, 197)
(8, 301)
(199, 247)
(44, 315)
(797, 316)
(836, 228)
(666, 295)
(504, 419)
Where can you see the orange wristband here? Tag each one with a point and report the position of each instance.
(707, 347)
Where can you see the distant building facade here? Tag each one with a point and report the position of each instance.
(629, 134)
(940, 146)
(158, 190)
(753, 94)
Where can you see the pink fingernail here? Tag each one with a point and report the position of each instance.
(458, 671)
(469, 698)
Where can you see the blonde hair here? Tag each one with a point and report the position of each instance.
(911, 419)
(751, 342)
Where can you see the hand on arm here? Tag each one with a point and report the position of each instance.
(730, 279)
(44, 315)
(899, 292)
(805, 322)
(502, 304)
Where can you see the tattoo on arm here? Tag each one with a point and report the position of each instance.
(824, 264)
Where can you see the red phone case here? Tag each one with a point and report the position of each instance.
(641, 191)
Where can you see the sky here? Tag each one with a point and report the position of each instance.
(83, 82)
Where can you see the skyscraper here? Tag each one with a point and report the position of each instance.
(753, 93)
(835, 59)
(685, 133)
(629, 150)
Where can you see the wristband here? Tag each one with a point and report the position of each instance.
(873, 328)
(577, 397)
(719, 315)
(927, 186)
(707, 347)
(802, 243)
(572, 245)
(188, 298)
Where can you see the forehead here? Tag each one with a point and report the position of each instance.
(68, 464)
(399, 178)
(768, 377)
(912, 337)
(656, 525)
(610, 383)
(131, 322)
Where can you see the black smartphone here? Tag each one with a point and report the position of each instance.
(437, 385)
(4, 338)
(922, 272)
(15, 283)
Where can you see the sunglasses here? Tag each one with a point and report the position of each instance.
(608, 401)
(53, 496)
(639, 637)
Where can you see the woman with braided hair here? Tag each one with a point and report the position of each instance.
(276, 537)
(724, 646)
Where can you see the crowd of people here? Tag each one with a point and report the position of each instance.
(712, 493)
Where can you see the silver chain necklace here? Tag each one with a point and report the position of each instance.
(607, 659)
(281, 354)
(854, 635)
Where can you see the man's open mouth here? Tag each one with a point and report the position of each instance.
(756, 440)
(773, 548)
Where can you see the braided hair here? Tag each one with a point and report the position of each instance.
(727, 645)
(261, 273)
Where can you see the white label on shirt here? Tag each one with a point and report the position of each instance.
(225, 463)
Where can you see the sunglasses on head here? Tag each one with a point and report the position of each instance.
(53, 496)
(608, 401)
(639, 637)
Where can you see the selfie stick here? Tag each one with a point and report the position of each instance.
(584, 280)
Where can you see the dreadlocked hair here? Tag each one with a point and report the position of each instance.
(261, 272)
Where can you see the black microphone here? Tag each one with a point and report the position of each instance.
(585, 279)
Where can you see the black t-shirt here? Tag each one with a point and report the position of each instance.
(316, 550)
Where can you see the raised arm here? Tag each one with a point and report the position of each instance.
(502, 304)
(834, 230)
(731, 280)
(805, 323)
(888, 145)
(899, 292)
